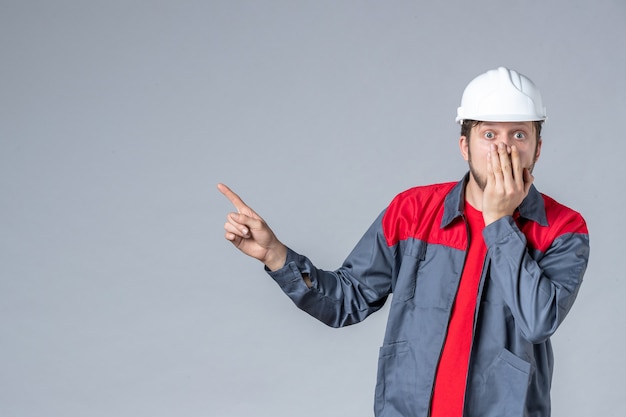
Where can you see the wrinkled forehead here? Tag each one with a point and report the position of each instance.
(506, 125)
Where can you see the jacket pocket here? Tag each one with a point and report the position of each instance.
(414, 254)
(503, 393)
(396, 385)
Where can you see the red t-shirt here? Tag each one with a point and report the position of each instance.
(451, 377)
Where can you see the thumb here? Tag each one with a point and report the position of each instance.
(241, 222)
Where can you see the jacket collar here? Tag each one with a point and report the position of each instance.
(532, 208)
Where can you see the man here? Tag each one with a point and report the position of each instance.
(482, 271)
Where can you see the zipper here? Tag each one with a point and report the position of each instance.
(479, 296)
(456, 293)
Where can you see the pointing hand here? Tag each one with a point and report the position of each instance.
(250, 234)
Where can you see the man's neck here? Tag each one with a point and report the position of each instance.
(474, 194)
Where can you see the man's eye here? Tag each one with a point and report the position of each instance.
(520, 135)
(490, 135)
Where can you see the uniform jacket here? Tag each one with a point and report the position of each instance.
(416, 251)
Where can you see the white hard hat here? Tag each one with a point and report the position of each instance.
(501, 95)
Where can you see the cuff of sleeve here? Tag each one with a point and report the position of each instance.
(295, 266)
(499, 230)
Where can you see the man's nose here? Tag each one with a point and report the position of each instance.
(507, 141)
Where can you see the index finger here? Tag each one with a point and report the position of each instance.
(234, 198)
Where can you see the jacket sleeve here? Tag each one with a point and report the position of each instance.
(539, 290)
(349, 294)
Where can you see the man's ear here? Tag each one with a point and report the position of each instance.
(464, 147)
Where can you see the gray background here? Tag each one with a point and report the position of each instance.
(119, 295)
